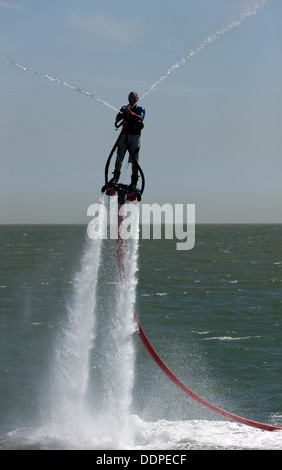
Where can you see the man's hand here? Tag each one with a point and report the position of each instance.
(127, 112)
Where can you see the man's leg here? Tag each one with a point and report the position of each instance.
(134, 147)
(122, 147)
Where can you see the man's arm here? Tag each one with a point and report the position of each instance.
(140, 117)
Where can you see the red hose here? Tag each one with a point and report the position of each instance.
(168, 372)
(192, 394)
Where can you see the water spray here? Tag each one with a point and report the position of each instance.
(209, 40)
(252, 10)
(32, 71)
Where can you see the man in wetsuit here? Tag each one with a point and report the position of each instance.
(133, 117)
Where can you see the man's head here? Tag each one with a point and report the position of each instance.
(133, 98)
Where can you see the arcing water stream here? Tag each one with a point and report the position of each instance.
(252, 8)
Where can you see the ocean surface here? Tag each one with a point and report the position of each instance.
(74, 373)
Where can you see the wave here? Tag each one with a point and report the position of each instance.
(158, 435)
(231, 338)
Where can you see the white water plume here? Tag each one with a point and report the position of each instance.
(252, 10)
(115, 350)
(124, 357)
(92, 375)
(69, 378)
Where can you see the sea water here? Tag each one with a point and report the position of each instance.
(212, 313)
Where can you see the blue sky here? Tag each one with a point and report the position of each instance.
(212, 133)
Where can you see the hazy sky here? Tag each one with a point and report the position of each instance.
(212, 133)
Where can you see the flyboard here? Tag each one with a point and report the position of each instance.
(124, 191)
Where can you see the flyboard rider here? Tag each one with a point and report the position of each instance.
(133, 117)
